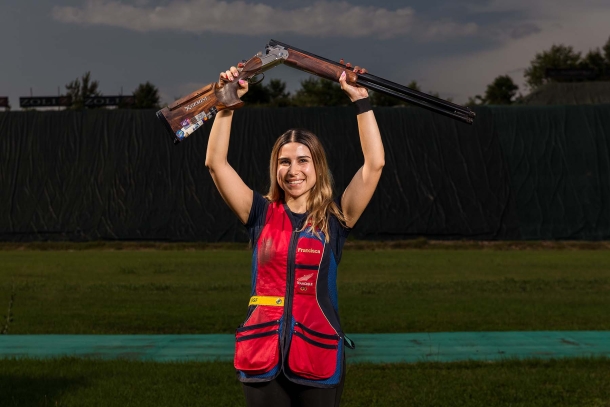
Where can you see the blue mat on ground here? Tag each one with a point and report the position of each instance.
(375, 348)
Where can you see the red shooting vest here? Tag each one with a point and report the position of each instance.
(292, 324)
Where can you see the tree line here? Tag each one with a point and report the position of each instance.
(146, 95)
(313, 92)
(321, 92)
(503, 90)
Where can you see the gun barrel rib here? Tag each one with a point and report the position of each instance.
(454, 114)
(413, 93)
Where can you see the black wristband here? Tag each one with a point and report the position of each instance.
(362, 105)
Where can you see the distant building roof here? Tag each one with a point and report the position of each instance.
(570, 93)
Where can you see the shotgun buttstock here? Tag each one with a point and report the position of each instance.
(187, 114)
(181, 118)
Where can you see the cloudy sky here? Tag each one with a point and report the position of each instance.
(451, 47)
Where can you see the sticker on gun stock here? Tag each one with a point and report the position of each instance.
(190, 129)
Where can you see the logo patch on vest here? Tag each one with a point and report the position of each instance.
(305, 282)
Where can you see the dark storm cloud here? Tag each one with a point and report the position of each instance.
(454, 48)
(320, 19)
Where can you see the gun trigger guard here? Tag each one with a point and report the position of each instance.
(257, 82)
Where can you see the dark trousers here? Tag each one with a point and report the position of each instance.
(281, 392)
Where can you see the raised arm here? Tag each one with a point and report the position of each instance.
(230, 185)
(360, 190)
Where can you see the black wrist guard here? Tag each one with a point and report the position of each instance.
(362, 105)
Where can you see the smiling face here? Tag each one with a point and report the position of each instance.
(296, 173)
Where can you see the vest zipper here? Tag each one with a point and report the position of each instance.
(289, 284)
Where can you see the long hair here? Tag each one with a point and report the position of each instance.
(320, 202)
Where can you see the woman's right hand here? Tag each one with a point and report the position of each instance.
(230, 75)
(353, 92)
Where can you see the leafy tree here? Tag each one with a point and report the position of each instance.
(381, 99)
(414, 85)
(272, 94)
(320, 92)
(82, 88)
(146, 96)
(476, 100)
(501, 91)
(258, 94)
(595, 60)
(558, 57)
(606, 49)
(277, 93)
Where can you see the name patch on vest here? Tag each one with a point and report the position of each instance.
(301, 250)
(309, 252)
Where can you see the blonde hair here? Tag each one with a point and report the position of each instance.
(320, 200)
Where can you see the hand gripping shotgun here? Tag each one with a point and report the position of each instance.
(187, 114)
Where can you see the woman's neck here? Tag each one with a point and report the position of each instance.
(298, 205)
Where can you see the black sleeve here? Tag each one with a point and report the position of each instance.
(256, 219)
(338, 233)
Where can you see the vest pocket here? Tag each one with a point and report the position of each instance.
(257, 348)
(313, 355)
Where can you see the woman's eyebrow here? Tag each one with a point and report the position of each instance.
(288, 158)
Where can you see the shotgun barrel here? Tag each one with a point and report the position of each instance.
(325, 68)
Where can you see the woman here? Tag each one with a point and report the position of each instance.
(290, 349)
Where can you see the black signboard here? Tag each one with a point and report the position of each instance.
(3, 101)
(95, 101)
(570, 73)
(98, 101)
(45, 101)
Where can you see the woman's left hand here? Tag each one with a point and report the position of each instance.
(354, 92)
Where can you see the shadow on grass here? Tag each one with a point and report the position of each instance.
(18, 390)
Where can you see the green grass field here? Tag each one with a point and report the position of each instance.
(75, 383)
(156, 292)
(453, 288)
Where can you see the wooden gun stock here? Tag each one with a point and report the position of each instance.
(187, 114)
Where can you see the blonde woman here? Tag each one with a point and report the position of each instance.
(290, 349)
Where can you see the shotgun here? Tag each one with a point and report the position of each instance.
(187, 114)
